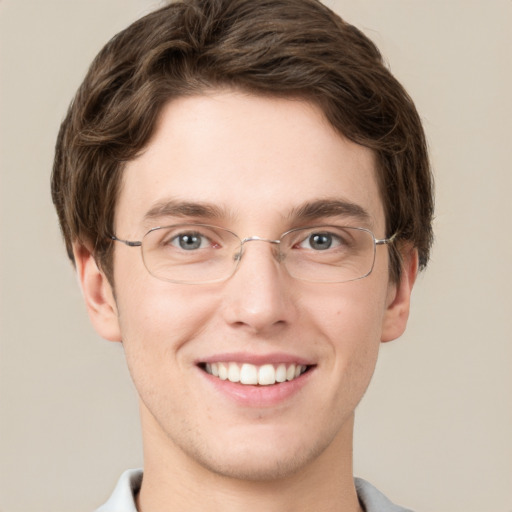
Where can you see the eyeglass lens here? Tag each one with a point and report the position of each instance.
(199, 253)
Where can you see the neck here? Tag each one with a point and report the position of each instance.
(173, 481)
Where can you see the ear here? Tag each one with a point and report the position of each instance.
(98, 294)
(399, 297)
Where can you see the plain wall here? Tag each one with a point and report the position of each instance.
(433, 432)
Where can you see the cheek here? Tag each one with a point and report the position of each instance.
(157, 323)
(351, 319)
(157, 319)
(162, 316)
(151, 311)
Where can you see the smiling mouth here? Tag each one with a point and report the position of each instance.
(253, 375)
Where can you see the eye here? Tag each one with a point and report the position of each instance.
(190, 241)
(321, 241)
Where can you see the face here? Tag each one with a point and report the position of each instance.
(251, 165)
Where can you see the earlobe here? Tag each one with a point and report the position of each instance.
(399, 298)
(98, 294)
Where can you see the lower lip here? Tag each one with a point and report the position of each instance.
(258, 396)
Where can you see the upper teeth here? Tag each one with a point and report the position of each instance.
(251, 374)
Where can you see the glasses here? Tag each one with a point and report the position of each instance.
(200, 253)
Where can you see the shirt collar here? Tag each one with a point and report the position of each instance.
(123, 497)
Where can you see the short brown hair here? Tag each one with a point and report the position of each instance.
(296, 48)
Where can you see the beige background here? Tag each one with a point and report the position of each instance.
(435, 429)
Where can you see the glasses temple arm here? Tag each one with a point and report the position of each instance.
(386, 241)
(129, 243)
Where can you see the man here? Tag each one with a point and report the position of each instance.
(245, 191)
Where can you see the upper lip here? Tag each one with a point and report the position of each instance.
(256, 359)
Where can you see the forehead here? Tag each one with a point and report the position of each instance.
(248, 159)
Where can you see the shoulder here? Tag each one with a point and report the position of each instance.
(373, 500)
(123, 497)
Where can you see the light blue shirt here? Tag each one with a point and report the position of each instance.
(123, 497)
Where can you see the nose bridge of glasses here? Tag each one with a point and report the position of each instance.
(277, 243)
(259, 239)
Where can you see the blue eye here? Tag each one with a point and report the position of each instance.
(190, 241)
(321, 241)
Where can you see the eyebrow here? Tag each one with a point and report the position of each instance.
(175, 208)
(330, 208)
(308, 211)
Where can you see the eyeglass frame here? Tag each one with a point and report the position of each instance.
(138, 243)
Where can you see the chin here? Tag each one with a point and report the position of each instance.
(260, 468)
(260, 461)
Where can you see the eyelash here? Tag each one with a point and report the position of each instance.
(334, 239)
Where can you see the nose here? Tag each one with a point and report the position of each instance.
(259, 296)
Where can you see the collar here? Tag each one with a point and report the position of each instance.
(123, 497)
